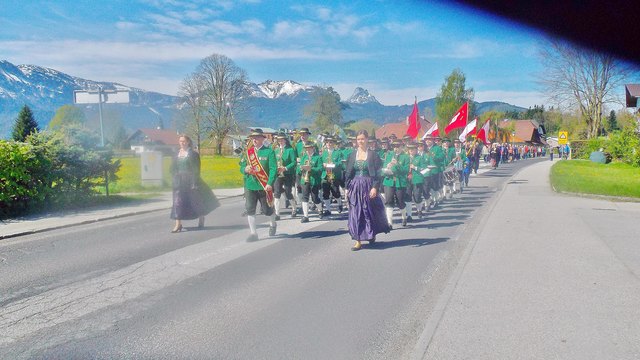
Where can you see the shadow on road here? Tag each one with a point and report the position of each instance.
(382, 245)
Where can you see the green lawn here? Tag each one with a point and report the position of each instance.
(586, 177)
(219, 172)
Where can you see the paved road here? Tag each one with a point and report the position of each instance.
(127, 288)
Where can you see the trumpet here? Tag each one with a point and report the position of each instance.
(307, 173)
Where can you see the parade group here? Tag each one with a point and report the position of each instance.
(407, 174)
(368, 177)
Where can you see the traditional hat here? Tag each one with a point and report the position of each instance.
(392, 137)
(372, 141)
(446, 140)
(412, 146)
(407, 137)
(256, 133)
(304, 131)
(457, 141)
(437, 138)
(309, 144)
(428, 137)
(351, 137)
(397, 143)
(329, 139)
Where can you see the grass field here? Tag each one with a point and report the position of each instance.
(218, 172)
(586, 177)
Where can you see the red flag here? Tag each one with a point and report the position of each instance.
(433, 131)
(414, 121)
(459, 119)
(484, 132)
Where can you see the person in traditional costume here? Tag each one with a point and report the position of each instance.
(285, 181)
(259, 168)
(310, 172)
(332, 178)
(394, 171)
(366, 209)
(192, 197)
(415, 180)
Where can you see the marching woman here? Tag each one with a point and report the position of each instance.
(192, 198)
(366, 210)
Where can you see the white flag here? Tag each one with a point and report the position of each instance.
(469, 129)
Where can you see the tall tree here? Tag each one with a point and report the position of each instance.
(67, 115)
(25, 124)
(223, 86)
(581, 79)
(191, 92)
(452, 95)
(325, 110)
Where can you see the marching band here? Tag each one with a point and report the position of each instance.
(415, 174)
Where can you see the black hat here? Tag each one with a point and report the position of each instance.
(397, 143)
(309, 144)
(256, 133)
(281, 135)
(304, 131)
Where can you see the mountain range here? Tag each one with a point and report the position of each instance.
(274, 104)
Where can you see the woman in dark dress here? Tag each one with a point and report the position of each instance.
(366, 209)
(192, 198)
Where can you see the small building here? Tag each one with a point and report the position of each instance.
(154, 139)
(399, 129)
(632, 92)
(525, 132)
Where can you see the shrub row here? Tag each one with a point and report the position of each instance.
(48, 171)
(623, 146)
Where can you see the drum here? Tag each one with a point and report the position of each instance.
(450, 175)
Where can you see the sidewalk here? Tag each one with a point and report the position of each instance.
(547, 276)
(38, 223)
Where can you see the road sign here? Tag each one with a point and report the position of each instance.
(563, 136)
(101, 96)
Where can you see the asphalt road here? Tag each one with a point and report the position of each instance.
(128, 288)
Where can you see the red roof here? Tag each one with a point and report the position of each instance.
(632, 93)
(525, 130)
(400, 129)
(157, 136)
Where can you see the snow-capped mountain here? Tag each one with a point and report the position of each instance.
(274, 89)
(362, 96)
(275, 104)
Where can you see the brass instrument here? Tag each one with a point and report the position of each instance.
(330, 165)
(410, 175)
(280, 164)
(307, 173)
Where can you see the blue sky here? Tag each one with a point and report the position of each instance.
(394, 49)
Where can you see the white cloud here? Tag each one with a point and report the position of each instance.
(404, 28)
(284, 30)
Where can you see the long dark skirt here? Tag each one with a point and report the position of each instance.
(192, 198)
(366, 215)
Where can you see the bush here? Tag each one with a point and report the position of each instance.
(22, 178)
(623, 146)
(50, 171)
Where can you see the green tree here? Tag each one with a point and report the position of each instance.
(612, 122)
(25, 125)
(450, 98)
(67, 115)
(325, 110)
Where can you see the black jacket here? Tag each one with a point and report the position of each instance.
(374, 163)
